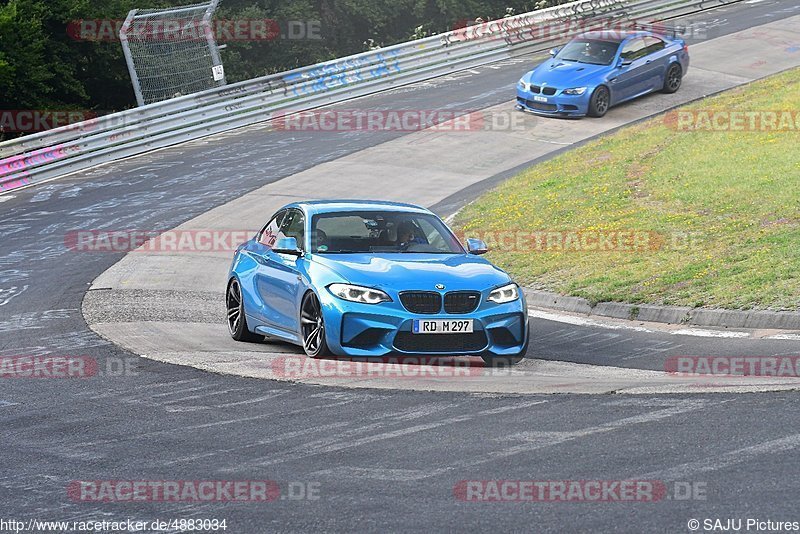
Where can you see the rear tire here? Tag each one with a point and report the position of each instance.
(673, 79)
(237, 321)
(600, 102)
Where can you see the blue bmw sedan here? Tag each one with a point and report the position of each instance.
(365, 278)
(598, 70)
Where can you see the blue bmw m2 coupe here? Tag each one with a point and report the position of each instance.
(598, 70)
(364, 278)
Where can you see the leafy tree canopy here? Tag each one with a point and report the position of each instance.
(43, 67)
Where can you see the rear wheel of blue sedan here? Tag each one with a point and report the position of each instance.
(237, 322)
(673, 79)
(600, 102)
(312, 326)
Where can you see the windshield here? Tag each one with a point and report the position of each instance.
(589, 51)
(381, 232)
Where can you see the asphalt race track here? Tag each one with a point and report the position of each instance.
(142, 301)
(375, 459)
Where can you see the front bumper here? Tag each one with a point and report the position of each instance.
(557, 105)
(364, 330)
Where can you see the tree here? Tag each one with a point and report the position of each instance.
(43, 66)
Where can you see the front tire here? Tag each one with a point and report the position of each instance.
(673, 79)
(600, 102)
(237, 322)
(312, 327)
(491, 360)
(502, 361)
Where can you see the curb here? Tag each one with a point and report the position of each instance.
(755, 319)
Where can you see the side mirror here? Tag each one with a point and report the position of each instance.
(287, 245)
(623, 62)
(476, 247)
(554, 51)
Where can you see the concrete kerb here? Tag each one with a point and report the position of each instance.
(751, 319)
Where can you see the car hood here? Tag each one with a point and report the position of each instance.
(400, 272)
(565, 74)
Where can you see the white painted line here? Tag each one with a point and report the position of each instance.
(786, 337)
(179, 391)
(185, 409)
(709, 333)
(335, 447)
(272, 395)
(721, 461)
(5, 198)
(583, 321)
(375, 473)
(527, 442)
(560, 143)
(203, 396)
(272, 439)
(347, 439)
(165, 384)
(7, 294)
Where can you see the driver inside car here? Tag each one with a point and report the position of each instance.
(590, 51)
(406, 235)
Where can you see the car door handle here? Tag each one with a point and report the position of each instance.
(648, 61)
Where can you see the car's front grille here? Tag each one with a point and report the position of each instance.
(427, 302)
(449, 343)
(536, 89)
(541, 106)
(461, 301)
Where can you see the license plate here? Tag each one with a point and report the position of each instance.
(442, 326)
(540, 99)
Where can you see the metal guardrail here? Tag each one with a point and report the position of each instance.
(76, 147)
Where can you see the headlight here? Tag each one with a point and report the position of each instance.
(504, 294)
(365, 295)
(522, 85)
(575, 91)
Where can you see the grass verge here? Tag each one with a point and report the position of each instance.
(720, 207)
